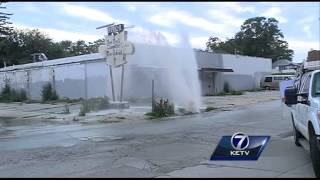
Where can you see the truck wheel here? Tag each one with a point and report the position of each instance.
(296, 134)
(314, 152)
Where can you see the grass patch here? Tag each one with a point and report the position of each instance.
(154, 115)
(63, 100)
(236, 93)
(93, 104)
(66, 109)
(220, 94)
(232, 93)
(120, 117)
(51, 117)
(254, 90)
(210, 109)
(29, 101)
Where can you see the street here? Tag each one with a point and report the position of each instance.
(173, 147)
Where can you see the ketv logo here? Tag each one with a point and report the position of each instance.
(240, 147)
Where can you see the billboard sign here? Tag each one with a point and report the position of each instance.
(116, 48)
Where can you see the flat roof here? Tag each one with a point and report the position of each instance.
(216, 70)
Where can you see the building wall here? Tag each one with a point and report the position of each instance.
(92, 79)
(247, 71)
(208, 60)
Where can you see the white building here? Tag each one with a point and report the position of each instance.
(284, 66)
(88, 76)
(240, 72)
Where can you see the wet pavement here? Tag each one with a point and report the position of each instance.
(174, 147)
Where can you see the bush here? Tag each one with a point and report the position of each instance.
(18, 96)
(5, 93)
(11, 95)
(48, 94)
(226, 87)
(162, 109)
(210, 109)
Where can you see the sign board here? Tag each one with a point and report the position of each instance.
(115, 29)
(116, 49)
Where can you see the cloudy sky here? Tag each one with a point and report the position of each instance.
(299, 21)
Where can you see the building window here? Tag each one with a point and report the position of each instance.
(282, 68)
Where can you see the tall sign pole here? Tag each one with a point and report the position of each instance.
(115, 50)
(112, 85)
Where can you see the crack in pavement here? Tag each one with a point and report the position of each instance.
(219, 165)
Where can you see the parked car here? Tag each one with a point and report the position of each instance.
(303, 100)
(272, 81)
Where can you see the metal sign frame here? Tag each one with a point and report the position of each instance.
(115, 50)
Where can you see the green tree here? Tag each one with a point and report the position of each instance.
(259, 37)
(5, 27)
(79, 48)
(65, 47)
(94, 46)
(17, 47)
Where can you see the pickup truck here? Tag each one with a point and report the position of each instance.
(303, 100)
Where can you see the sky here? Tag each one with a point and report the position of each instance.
(172, 22)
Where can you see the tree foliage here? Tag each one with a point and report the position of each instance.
(258, 36)
(5, 27)
(17, 47)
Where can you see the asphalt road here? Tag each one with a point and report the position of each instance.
(178, 147)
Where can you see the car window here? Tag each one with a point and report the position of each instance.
(268, 79)
(316, 85)
(277, 78)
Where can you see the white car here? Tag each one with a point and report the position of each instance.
(304, 100)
